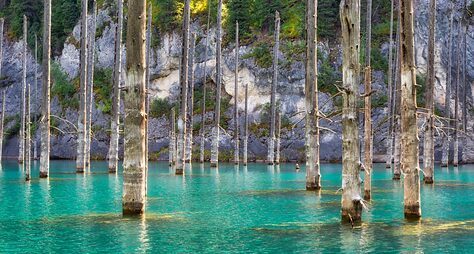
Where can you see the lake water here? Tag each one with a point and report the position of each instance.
(258, 209)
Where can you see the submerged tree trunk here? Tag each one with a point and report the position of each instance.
(271, 138)
(115, 120)
(35, 104)
(465, 88)
(278, 138)
(172, 144)
(313, 173)
(90, 83)
(447, 100)
(46, 99)
(368, 139)
(409, 128)
(183, 81)
(217, 112)
(236, 92)
(21, 140)
(350, 23)
(147, 90)
(203, 116)
(388, 162)
(246, 126)
(134, 164)
(396, 110)
(190, 123)
(456, 100)
(82, 116)
(428, 147)
(28, 135)
(2, 120)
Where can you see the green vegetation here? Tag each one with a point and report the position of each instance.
(103, 89)
(262, 54)
(160, 107)
(327, 76)
(64, 89)
(420, 90)
(15, 128)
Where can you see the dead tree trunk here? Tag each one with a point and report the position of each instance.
(246, 125)
(21, 141)
(147, 90)
(3, 90)
(35, 104)
(172, 144)
(115, 121)
(190, 123)
(351, 199)
(465, 87)
(271, 139)
(396, 110)
(428, 147)
(388, 163)
(368, 139)
(217, 113)
(278, 138)
(46, 100)
(183, 81)
(90, 83)
(134, 164)
(313, 173)
(28, 135)
(203, 116)
(236, 92)
(447, 100)
(456, 99)
(409, 129)
(82, 114)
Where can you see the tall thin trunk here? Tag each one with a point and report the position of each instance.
(236, 92)
(2, 120)
(115, 120)
(217, 112)
(183, 81)
(90, 83)
(46, 100)
(203, 116)
(35, 99)
(134, 164)
(278, 138)
(82, 114)
(428, 147)
(351, 199)
(190, 122)
(21, 141)
(246, 125)
(409, 129)
(396, 109)
(147, 91)
(28, 135)
(368, 138)
(447, 99)
(172, 144)
(456, 98)
(388, 163)
(271, 138)
(465, 88)
(313, 173)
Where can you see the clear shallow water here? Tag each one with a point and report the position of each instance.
(258, 209)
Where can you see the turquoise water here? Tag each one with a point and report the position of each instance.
(258, 209)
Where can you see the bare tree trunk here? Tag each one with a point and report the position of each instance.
(368, 138)
(90, 83)
(409, 128)
(3, 90)
(278, 138)
(428, 147)
(271, 138)
(246, 125)
(313, 173)
(82, 114)
(456, 99)
(203, 116)
(190, 122)
(465, 88)
(134, 164)
(172, 144)
(35, 104)
(28, 135)
(46, 100)
(147, 90)
(396, 110)
(21, 141)
(115, 120)
(447, 100)
(183, 81)
(388, 163)
(351, 199)
(236, 92)
(217, 113)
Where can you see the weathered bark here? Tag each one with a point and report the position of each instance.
(278, 138)
(2, 120)
(35, 104)
(351, 200)
(172, 144)
(46, 98)
(246, 126)
(313, 173)
(368, 138)
(82, 114)
(455, 123)
(147, 90)
(189, 118)
(271, 138)
(465, 87)
(203, 115)
(183, 81)
(115, 120)
(27, 135)
(409, 129)
(236, 92)
(388, 163)
(217, 112)
(447, 100)
(21, 140)
(134, 164)
(396, 110)
(90, 83)
(428, 147)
